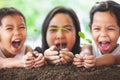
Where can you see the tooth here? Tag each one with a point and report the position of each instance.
(17, 40)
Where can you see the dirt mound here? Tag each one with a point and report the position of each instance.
(62, 72)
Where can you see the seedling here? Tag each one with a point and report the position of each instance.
(82, 35)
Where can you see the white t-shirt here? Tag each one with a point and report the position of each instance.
(96, 51)
(19, 55)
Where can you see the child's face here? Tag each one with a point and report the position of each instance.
(105, 31)
(12, 34)
(61, 32)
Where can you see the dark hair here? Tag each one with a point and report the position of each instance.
(51, 14)
(9, 11)
(104, 6)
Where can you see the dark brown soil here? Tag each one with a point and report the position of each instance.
(63, 72)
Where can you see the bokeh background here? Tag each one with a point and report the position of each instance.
(36, 10)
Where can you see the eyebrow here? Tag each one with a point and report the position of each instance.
(60, 26)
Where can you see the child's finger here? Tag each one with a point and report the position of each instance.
(78, 63)
(40, 62)
(89, 57)
(57, 61)
(66, 58)
(77, 59)
(50, 53)
(88, 65)
(78, 56)
(51, 58)
(67, 53)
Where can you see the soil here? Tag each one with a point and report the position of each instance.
(61, 72)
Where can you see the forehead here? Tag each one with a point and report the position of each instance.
(104, 17)
(61, 19)
(12, 19)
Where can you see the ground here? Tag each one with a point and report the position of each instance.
(62, 72)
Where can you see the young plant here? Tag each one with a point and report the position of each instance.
(82, 35)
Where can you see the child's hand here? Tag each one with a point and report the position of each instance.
(28, 60)
(39, 59)
(89, 61)
(66, 56)
(52, 56)
(78, 60)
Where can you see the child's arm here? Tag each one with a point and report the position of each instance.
(106, 59)
(10, 63)
(117, 59)
(27, 62)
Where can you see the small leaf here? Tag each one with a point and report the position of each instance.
(81, 34)
(89, 41)
(36, 30)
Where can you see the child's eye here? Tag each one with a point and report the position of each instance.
(96, 29)
(53, 29)
(22, 27)
(110, 29)
(67, 28)
(9, 28)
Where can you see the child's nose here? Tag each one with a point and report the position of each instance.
(17, 32)
(103, 33)
(59, 34)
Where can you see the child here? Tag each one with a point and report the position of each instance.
(60, 40)
(13, 52)
(105, 29)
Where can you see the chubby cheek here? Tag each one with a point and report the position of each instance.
(24, 35)
(50, 39)
(70, 41)
(95, 37)
(6, 40)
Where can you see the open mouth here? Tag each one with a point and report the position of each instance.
(105, 45)
(61, 45)
(16, 43)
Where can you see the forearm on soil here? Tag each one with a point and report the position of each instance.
(106, 59)
(10, 63)
(117, 59)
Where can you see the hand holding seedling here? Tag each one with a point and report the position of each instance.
(52, 55)
(65, 56)
(84, 58)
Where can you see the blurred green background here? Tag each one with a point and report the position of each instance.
(36, 10)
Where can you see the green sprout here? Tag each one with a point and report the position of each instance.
(82, 35)
(35, 30)
(59, 28)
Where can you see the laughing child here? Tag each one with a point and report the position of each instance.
(13, 52)
(105, 29)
